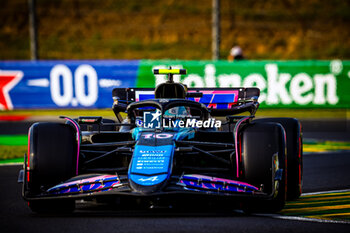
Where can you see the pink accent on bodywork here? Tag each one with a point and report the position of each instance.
(28, 159)
(78, 139)
(216, 92)
(236, 144)
(235, 92)
(214, 179)
(88, 180)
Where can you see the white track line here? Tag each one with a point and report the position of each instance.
(295, 218)
(10, 164)
(325, 192)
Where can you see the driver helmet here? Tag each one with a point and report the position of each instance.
(177, 112)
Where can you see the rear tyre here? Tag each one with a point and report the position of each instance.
(52, 159)
(294, 154)
(263, 146)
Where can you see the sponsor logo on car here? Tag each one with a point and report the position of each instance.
(158, 135)
(152, 151)
(153, 178)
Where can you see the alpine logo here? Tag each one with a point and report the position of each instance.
(153, 178)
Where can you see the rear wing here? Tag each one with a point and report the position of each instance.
(220, 101)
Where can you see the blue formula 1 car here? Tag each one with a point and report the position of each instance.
(165, 146)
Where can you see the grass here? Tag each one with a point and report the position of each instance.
(325, 146)
(13, 140)
(9, 161)
(13, 146)
(12, 152)
(330, 206)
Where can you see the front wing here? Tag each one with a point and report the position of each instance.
(114, 185)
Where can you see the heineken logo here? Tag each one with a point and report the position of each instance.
(276, 87)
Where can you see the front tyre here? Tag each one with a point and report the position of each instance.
(264, 160)
(52, 159)
(293, 131)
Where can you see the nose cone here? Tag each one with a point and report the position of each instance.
(150, 167)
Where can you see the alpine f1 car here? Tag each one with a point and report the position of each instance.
(166, 146)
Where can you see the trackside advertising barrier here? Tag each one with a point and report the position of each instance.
(89, 83)
(63, 84)
(283, 84)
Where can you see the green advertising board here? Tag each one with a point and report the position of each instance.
(283, 84)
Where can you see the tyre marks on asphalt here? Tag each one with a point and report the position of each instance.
(333, 206)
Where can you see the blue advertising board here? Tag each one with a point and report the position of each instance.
(63, 84)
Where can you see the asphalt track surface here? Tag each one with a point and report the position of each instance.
(329, 171)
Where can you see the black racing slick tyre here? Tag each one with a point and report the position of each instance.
(263, 153)
(52, 159)
(293, 131)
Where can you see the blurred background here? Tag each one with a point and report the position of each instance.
(176, 29)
